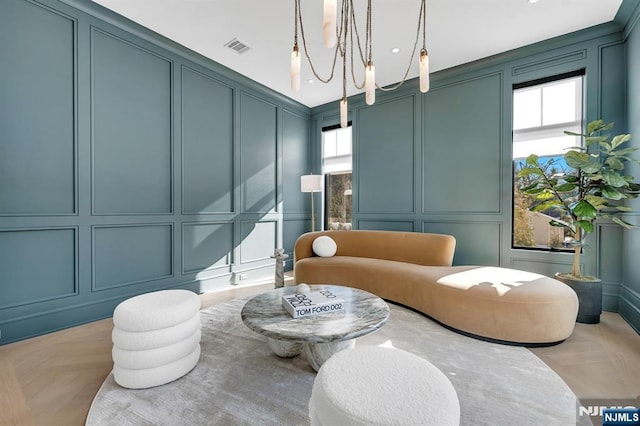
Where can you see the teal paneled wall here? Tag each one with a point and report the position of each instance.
(130, 127)
(130, 164)
(449, 153)
(207, 144)
(43, 260)
(630, 291)
(295, 163)
(37, 107)
(462, 146)
(258, 154)
(384, 157)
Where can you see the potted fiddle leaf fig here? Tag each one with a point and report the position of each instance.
(592, 186)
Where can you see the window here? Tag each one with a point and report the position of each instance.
(542, 111)
(336, 166)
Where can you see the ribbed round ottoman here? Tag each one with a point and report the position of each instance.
(372, 385)
(156, 338)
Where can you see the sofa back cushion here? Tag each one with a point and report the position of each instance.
(411, 247)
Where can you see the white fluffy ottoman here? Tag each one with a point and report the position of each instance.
(372, 385)
(156, 338)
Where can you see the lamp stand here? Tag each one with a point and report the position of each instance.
(313, 214)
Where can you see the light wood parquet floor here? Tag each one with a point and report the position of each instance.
(52, 379)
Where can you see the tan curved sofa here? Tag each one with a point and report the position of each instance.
(414, 269)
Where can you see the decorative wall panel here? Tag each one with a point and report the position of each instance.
(462, 147)
(37, 103)
(295, 160)
(131, 128)
(292, 229)
(37, 265)
(258, 155)
(385, 157)
(546, 267)
(477, 243)
(207, 144)
(206, 246)
(258, 240)
(126, 255)
(386, 225)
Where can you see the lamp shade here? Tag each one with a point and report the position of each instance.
(311, 183)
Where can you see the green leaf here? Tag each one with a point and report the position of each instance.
(532, 160)
(592, 167)
(598, 126)
(586, 225)
(548, 205)
(612, 194)
(528, 187)
(562, 224)
(571, 179)
(545, 195)
(584, 210)
(619, 139)
(577, 159)
(613, 179)
(528, 171)
(625, 151)
(623, 223)
(623, 208)
(595, 126)
(566, 187)
(533, 191)
(590, 140)
(614, 163)
(605, 145)
(596, 201)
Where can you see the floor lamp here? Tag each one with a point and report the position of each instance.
(311, 184)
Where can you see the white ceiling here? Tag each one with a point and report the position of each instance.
(458, 31)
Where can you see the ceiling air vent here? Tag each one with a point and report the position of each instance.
(237, 45)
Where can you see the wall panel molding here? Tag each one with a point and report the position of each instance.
(125, 255)
(258, 154)
(553, 61)
(39, 264)
(385, 144)
(258, 240)
(39, 128)
(446, 189)
(207, 123)
(386, 224)
(212, 248)
(131, 128)
(477, 243)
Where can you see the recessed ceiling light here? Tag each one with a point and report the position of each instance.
(395, 50)
(311, 81)
(532, 1)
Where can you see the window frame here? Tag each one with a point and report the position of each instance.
(542, 130)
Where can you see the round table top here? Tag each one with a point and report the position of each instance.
(364, 313)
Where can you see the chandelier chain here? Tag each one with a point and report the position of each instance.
(421, 20)
(306, 51)
(345, 31)
(344, 48)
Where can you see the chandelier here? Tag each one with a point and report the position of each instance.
(344, 37)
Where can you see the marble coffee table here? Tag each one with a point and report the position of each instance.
(319, 336)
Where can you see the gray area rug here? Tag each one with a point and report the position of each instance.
(239, 382)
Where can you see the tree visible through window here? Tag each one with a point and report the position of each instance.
(336, 166)
(542, 111)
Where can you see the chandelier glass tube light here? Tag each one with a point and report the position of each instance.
(343, 36)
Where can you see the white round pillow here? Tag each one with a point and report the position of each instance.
(324, 246)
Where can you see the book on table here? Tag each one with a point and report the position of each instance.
(312, 303)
